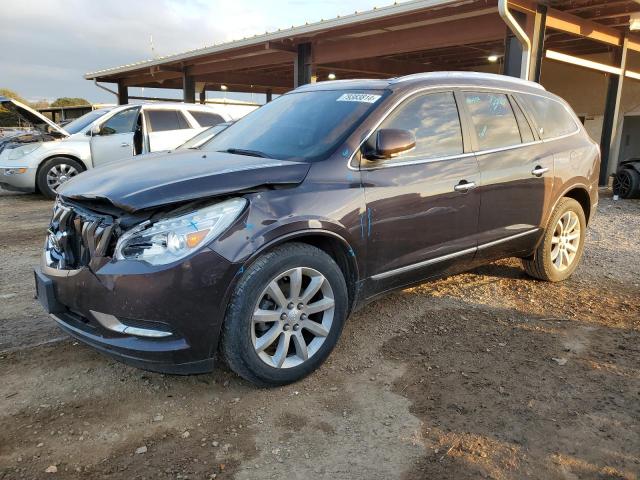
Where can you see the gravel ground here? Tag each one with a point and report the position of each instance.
(488, 374)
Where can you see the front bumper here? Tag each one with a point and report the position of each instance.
(18, 182)
(161, 319)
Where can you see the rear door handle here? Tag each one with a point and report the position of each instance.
(539, 171)
(464, 186)
(125, 144)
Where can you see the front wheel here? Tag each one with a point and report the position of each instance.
(285, 316)
(560, 251)
(54, 172)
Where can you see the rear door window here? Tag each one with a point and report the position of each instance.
(433, 118)
(551, 117)
(493, 120)
(206, 119)
(164, 120)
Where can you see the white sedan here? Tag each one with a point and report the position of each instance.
(97, 138)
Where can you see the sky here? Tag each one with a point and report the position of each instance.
(47, 45)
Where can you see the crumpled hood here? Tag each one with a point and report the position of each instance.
(30, 115)
(156, 180)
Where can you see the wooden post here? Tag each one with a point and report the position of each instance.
(302, 65)
(123, 93)
(188, 88)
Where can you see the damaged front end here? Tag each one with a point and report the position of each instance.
(76, 236)
(155, 316)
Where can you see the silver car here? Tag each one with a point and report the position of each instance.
(99, 137)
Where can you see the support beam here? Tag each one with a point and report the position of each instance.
(513, 56)
(302, 66)
(203, 96)
(475, 29)
(537, 43)
(158, 77)
(269, 94)
(382, 66)
(123, 93)
(612, 113)
(246, 78)
(188, 88)
(565, 21)
(266, 59)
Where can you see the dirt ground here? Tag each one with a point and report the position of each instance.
(488, 374)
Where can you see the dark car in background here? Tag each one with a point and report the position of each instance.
(258, 244)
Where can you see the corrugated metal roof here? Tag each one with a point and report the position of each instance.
(309, 28)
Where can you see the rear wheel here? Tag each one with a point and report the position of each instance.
(560, 251)
(54, 172)
(627, 183)
(285, 316)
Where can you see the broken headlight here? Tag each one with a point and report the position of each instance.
(174, 238)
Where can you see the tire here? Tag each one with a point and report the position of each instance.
(62, 168)
(242, 338)
(627, 183)
(544, 264)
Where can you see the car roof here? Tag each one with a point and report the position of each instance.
(431, 79)
(166, 105)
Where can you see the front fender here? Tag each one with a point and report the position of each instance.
(67, 148)
(633, 164)
(274, 216)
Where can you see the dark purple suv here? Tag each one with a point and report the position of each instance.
(258, 244)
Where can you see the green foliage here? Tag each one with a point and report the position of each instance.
(7, 118)
(5, 92)
(69, 102)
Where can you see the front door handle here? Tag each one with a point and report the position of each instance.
(464, 186)
(539, 171)
(125, 144)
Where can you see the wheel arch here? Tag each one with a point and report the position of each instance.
(57, 155)
(633, 164)
(333, 244)
(581, 195)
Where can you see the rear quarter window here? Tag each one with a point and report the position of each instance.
(164, 120)
(206, 119)
(551, 117)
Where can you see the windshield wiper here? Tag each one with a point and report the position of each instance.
(249, 153)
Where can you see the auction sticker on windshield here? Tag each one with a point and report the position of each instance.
(358, 97)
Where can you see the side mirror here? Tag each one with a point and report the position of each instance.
(95, 130)
(390, 142)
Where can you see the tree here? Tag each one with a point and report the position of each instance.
(69, 102)
(7, 118)
(5, 92)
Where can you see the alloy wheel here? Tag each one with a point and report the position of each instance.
(60, 173)
(623, 184)
(292, 318)
(565, 241)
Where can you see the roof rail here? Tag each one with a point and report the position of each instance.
(467, 75)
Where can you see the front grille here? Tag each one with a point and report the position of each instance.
(76, 235)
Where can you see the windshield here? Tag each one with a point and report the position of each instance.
(304, 126)
(81, 122)
(203, 136)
